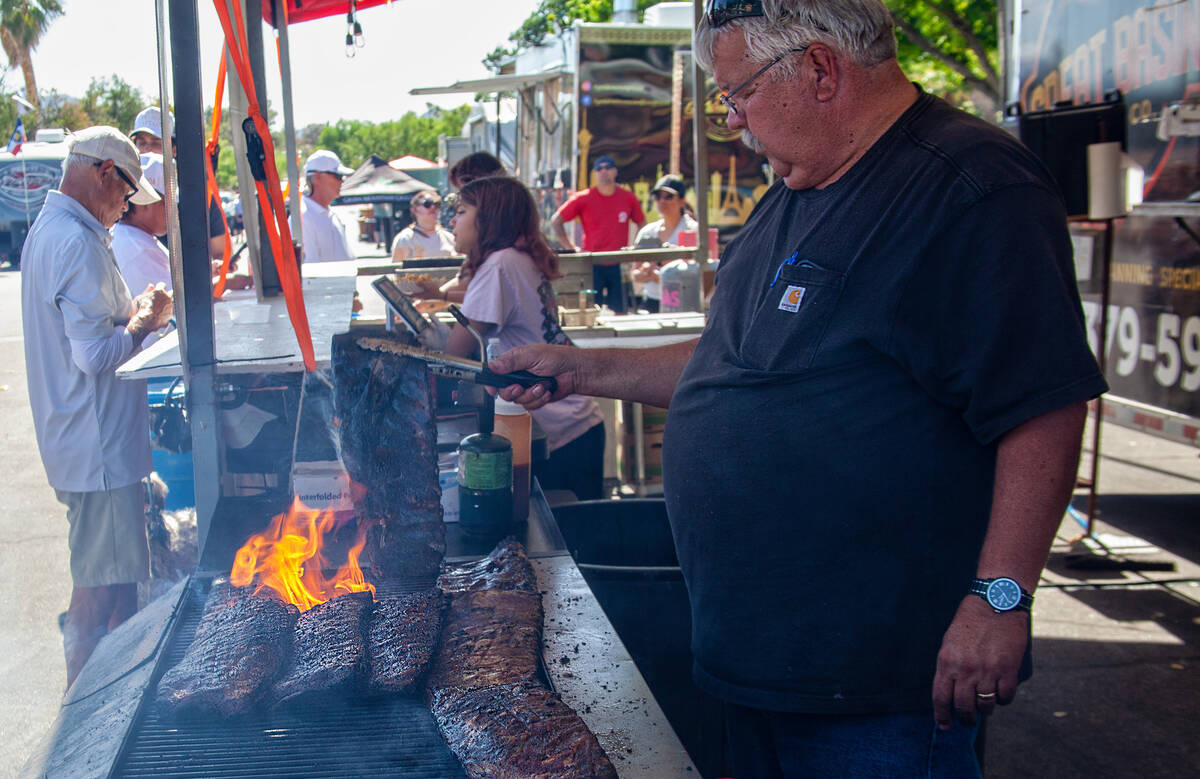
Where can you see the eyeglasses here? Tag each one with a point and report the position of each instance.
(133, 188)
(721, 11)
(429, 203)
(726, 98)
(664, 195)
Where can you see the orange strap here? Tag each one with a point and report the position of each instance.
(269, 197)
(210, 177)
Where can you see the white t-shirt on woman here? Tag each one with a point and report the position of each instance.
(509, 291)
(439, 243)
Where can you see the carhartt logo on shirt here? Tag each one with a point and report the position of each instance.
(791, 298)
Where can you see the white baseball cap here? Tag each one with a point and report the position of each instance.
(149, 120)
(325, 161)
(155, 173)
(108, 143)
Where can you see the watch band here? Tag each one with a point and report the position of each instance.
(984, 588)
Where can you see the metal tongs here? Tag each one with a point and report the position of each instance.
(439, 362)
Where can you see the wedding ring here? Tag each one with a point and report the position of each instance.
(985, 695)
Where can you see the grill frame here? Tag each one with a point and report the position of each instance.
(387, 736)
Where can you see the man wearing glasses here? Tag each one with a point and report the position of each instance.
(324, 234)
(872, 444)
(606, 212)
(80, 322)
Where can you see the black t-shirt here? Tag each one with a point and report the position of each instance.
(830, 448)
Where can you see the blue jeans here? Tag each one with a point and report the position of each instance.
(773, 745)
(609, 284)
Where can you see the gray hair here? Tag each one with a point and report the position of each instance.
(861, 29)
(75, 162)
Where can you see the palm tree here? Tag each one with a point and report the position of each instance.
(22, 25)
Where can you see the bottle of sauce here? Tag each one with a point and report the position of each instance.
(514, 423)
(485, 479)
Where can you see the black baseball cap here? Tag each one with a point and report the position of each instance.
(670, 182)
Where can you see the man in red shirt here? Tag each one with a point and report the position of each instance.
(606, 212)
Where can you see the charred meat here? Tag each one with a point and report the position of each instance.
(330, 654)
(389, 445)
(506, 568)
(490, 637)
(402, 638)
(238, 651)
(517, 730)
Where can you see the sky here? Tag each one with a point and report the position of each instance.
(408, 44)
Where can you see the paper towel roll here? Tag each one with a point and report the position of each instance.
(1106, 181)
(1114, 181)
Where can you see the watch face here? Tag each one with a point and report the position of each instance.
(1004, 594)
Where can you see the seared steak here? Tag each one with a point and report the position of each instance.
(490, 637)
(505, 568)
(517, 730)
(236, 655)
(402, 638)
(389, 445)
(330, 650)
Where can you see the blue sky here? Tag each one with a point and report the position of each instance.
(408, 44)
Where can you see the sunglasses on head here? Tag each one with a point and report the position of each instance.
(429, 203)
(720, 12)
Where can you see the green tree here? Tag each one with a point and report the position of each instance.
(550, 18)
(950, 46)
(354, 141)
(22, 25)
(58, 110)
(113, 101)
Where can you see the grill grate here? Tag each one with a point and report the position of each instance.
(386, 737)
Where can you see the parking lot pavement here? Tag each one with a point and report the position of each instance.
(1116, 685)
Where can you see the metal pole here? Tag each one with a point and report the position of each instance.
(700, 149)
(289, 122)
(498, 125)
(267, 282)
(195, 289)
(1105, 284)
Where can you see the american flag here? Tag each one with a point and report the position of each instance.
(17, 138)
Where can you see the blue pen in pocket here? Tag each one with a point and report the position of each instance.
(789, 261)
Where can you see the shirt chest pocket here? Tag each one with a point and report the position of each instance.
(786, 332)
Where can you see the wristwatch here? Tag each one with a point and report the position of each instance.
(1002, 594)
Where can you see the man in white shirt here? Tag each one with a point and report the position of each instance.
(147, 135)
(80, 323)
(324, 234)
(143, 260)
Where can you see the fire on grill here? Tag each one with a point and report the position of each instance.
(295, 623)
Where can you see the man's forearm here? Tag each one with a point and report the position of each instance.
(641, 375)
(560, 231)
(1036, 467)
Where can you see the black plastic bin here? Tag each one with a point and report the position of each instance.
(625, 551)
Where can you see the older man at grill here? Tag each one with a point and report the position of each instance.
(871, 446)
(80, 323)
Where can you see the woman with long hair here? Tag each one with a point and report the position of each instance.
(510, 266)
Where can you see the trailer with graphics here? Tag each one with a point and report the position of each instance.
(1144, 59)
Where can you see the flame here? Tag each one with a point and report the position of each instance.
(288, 559)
